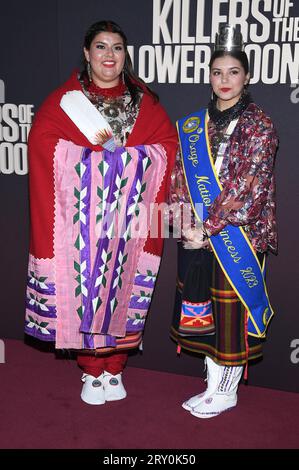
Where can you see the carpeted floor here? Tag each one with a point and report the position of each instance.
(40, 407)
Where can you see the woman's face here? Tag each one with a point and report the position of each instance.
(228, 78)
(107, 57)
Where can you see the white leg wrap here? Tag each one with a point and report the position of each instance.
(221, 380)
(213, 378)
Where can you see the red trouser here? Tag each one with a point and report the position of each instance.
(95, 365)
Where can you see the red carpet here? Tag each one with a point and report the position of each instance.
(40, 407)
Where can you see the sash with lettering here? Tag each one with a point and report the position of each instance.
(231, 246)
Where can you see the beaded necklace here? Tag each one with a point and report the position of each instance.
(222, 118)
(115, 105)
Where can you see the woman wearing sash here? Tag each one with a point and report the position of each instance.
(222, 309)
(101, 149)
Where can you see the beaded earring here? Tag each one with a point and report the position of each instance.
(88, 68)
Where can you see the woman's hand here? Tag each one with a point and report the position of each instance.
(195, 239)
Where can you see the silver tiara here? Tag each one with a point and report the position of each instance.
(228, 39)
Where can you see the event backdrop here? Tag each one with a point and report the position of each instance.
(170, 43)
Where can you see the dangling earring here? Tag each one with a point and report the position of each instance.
(123, 76)
(88, 68)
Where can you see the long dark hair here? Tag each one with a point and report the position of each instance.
(239, 55)
(134, 83)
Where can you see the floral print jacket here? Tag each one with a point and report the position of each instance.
(247, 198)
